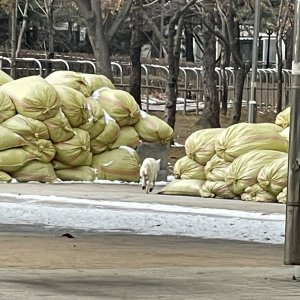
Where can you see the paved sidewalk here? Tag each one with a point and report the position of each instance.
(126, 208)
(120, 266)
(38, 263)
(134, 193)
(172, 283)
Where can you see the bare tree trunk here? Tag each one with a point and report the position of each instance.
(136, 69)
(289, 48)
(239, 87)
(225, 61)
(50, 35)
(211, 112)
(173, 62)
(14, 14)
(50, 31)
(289, 56)
(279, 74)
(100, 47)
(92, 13)
(224, 99)
(173, 47)
(22, 30)
(281, 23)
(189, 42)
(241, 69)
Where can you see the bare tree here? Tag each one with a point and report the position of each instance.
(24, 23)
(240, 66)
(14, 16)
(93, 11)
(46, 9)
(227, 32)
(211, 111)
(172, 44)
(136, 43)
(289, 45)
(225, 60)
(282, 26)
(189, 41)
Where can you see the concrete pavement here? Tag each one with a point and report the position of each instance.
(38, 263)
(121, 266)
(166, 283)
(126, 208)
(134, 193)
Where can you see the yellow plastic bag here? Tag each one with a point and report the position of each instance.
(256, 193)
(12, 160)
(33, 97)
(9, 139)
(216, 168)
(7, 107)
(83, 173)
(241, 138)
(28, 128)
(283, 118)
(244, 170)
(76, 151)
(43, 150)
(286, 133)
(96, 119)
(4, 177)
(186, 168)
(118, 164)
(4, 78)
(74, 105)
(127, 137)
(120, 105)
(152, 129)
(107, 137)
(35, 171)
(57, 165)
(97, 81)
(218, 189)
(183, 187)
(70, 79)
(273, 176)
(59, 128)
(200, 145)
(282, 197)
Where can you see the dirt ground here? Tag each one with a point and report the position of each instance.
(186, 124)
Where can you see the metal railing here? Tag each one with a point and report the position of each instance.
(155, 78)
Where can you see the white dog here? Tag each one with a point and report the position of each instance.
(148, 173)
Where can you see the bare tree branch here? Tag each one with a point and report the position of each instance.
(24, 22)
(123, 13)
(40, 7)
(232, 38)
(178, 36)
(154, 27)
(85, 8)
(182, 11)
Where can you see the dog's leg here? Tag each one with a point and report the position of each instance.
(151, 186)
(143, 182)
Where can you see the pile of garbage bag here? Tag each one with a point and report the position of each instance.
(72, 126)
(244, 161)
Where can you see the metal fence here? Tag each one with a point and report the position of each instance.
(154, 79)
